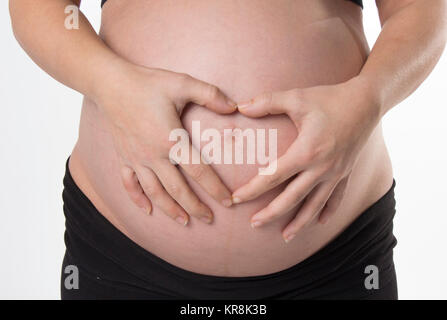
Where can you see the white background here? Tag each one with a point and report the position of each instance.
(38, 128)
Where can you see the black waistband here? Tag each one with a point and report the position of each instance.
(359, 2)
(369, 240)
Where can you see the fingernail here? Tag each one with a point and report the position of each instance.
(244, 105)
(207, 219)
(256, 224)
(181, 220)
(231, 103)
(289, 238)
(227, 203)
(236, 200)
(147, 211)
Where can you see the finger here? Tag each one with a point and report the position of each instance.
(268, 103)
(134, 189)
(160, 198)
(207, 95)
(286, 166)
(334, 201)
(177, 187)
(289, 199)
(205, 176)
(312, 206)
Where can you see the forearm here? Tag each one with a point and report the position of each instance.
(76, 57)
(409, 46)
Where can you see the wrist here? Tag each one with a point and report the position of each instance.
(108, 80)
(368, 97)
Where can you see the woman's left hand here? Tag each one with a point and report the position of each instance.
(333, 124)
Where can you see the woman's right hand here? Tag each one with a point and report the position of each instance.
(143, 106)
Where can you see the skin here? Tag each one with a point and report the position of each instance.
(334, 124)
(146, 168)
(153, 94)
(118, 121)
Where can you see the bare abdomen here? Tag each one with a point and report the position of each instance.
(244, 49)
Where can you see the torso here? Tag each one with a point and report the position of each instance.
(245, 48)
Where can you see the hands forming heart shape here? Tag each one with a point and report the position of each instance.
(333, 124)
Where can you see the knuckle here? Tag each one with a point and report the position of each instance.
(308, 155)
(183, 77)
(266, 98)
(145, 155)
(150, 189)
(332, 169)
(297, 99)
(296, 95)
(327, 168)
(273, 180)
(340, 169)
(182, 82)
(274, 211)
(173, 189)
(198, 173)
(212, 92)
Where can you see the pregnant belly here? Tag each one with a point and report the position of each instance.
(243, 49)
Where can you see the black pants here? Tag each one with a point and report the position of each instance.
(358, 264)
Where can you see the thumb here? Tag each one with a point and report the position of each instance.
(208, 95)
(267, 103)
